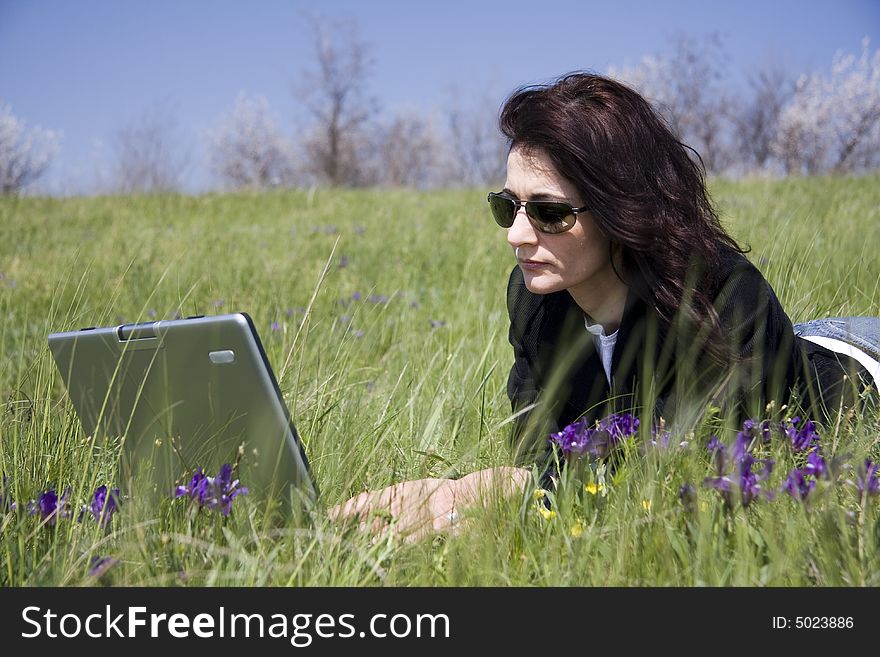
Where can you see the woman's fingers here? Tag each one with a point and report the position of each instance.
(413, 509)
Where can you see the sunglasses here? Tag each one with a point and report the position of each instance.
(547, 216)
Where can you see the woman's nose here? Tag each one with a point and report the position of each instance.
(521, 231)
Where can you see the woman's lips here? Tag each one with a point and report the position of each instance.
(532, 265)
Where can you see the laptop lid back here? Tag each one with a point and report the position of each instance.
(182, 394)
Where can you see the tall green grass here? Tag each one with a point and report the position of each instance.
(391, 351)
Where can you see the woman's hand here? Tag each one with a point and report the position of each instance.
(413, 509)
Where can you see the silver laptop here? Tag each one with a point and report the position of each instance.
(182, 394)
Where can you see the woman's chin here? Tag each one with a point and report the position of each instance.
(541, 284)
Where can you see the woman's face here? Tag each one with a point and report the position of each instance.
(577, 260)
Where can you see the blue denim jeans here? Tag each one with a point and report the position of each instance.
(863, 333)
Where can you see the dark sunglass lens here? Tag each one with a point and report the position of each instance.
(503, 210)
(552, 217)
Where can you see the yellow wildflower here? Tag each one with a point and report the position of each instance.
(646, 505)
(577, 529)
(547, 514)
(593, 488)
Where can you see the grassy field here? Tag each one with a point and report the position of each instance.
(383, 314)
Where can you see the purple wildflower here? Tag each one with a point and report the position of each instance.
(104, 504)
(377, 298)
(343, 262)
(752, 429)
(718, 453)
(356, 296)
(620, 426)
(573, 440)
(660, 437)
(275, 327)
(151, 313)
(799, 484)
(578, 438)
(213, 492)
(98, 566)
(868, 478)
(359, 334)
(802, 438)
(714, 444)
(437, 323)
(750, 481)
(687, 494)
(196, 488)
(735, 470)
(801, 481)
(50, 506)
(6, 503)
(816, 464)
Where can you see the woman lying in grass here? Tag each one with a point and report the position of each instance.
(628, 295)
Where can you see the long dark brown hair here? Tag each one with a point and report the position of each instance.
(645, 191)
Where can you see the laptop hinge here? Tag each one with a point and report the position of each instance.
(136, 331)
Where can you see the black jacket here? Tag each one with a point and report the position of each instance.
(558, 377)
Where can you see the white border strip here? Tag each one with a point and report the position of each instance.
(841, 347)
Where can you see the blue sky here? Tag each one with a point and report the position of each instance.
(88, 67)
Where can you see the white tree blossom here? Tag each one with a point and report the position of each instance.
(832, 123)
(248, 150)
(24, 154)
(340, 146)
(411, 153)
(477, 149)
(685, 88)
(149, 154)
